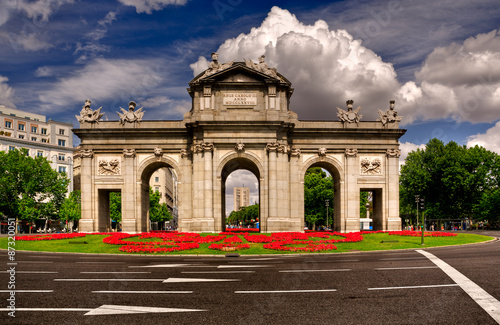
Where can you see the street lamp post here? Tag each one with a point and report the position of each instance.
(417, 200)
(422, 206)
(327, 203)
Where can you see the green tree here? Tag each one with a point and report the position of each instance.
(71, 208)
(29, 187)
(318, 187)
(115, 208)
(158, 212)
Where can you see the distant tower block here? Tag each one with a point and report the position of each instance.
(241, 197)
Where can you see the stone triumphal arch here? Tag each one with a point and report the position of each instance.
(240, 119)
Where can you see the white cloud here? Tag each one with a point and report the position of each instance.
(92, 48)
(41, 10)
(406, 148)
(489, 140)
(31, 42)
(6, 93)
(44, 71)
(103, 80)
(155, 101)
(460, 81)
(326, 67)
(148, 6)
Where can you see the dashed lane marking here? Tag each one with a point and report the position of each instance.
(288, 291)
(148, 292)
(326, 270)
(110, 310)
(31, 272)
(405, 268)
(27, 291)
(115, 272)
(124, 280)
(415, 287)
(489, 303)
(216, 272)
(185, 280)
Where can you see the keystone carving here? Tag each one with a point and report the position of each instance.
(158, 152)
(322, 152)
(239, 146)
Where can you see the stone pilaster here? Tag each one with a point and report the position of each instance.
(130, 223)
(392, 175)
(87, 222)
(272, 149)
(208, 181)
(351, 206)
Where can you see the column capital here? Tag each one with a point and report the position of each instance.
(186, 153)
(393, 153)
(294, 152)
(351, 152)
(87, 153)
(129, 153)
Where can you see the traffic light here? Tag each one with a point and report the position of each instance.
(422, 204)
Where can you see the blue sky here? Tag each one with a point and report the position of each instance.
(439, 59)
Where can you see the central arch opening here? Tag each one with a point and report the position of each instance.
(240, 194)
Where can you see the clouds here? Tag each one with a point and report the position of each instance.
(93, 48)
(489, 140)
(148, 6)
(460, 81)
(6, 93)
(102, 79)
(326, 67)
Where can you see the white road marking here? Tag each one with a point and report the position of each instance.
(326, 270)
(405, 268)
(110, 310)
(27, 291)
(415, 287)
(217, 272)
(99, 262)
(115, 272)
(46, 256)
(161, 265)
(489, 303)
(240, 266)
(125, 280)
(35, 262)
(114, 310)
(184, 280)
(143, 292)
(31, 272)
(401, 258)
(262, 259)
(288, 291)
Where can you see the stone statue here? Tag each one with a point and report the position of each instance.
(349, 116)
(131, 116)
(390, 116)
(88, 115)
(215, 66)
(262, 67)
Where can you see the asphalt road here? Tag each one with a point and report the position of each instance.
(397, 287)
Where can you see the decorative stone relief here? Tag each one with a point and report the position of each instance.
(129, 153)
(294, 152)
(186, 153)
(87, 153)
(396, 153)
(109, 167)
(349, 116)
(351, 152)
(371, 166)
(390, 116)
(276, 147)
(88, 115)
(158, 152)
(203, 147)
(239, 146)
(131, 116)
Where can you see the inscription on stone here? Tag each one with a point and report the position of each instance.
(239, 99)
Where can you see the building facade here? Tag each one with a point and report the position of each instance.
(240, 119)
(241, 197)
(50, 139)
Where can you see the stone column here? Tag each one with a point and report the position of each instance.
(296, 195)
(351, 222)
(208, 214)
(130, 223)
(87, 222)
(393, 220)
(198, 187)
(272, 149)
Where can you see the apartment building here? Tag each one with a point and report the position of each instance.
(50, 139)
(241, 197)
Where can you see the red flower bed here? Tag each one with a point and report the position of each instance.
(258, 238)
(49, 237)
(170, 247)
(311, 246)
(234, 239)
(228, 247)
(239, 230)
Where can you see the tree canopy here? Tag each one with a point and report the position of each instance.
(158, 212)
(71, 208)
(246, 215)
(29, 187)
(455, 181)
(318, 187)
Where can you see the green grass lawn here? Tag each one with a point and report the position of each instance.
(371, 242)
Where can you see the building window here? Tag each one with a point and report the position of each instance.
(62, 169)
(39, 153)
(33, 138)
(157, 179)
(34, 129)
(8, 124)
(21, 127)
(61, 143)
(60, 157)
(44, 140)
(21, 136)
(12, 148)
(61, 131)
(27, 152)
(157, 189)
(43, 131)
